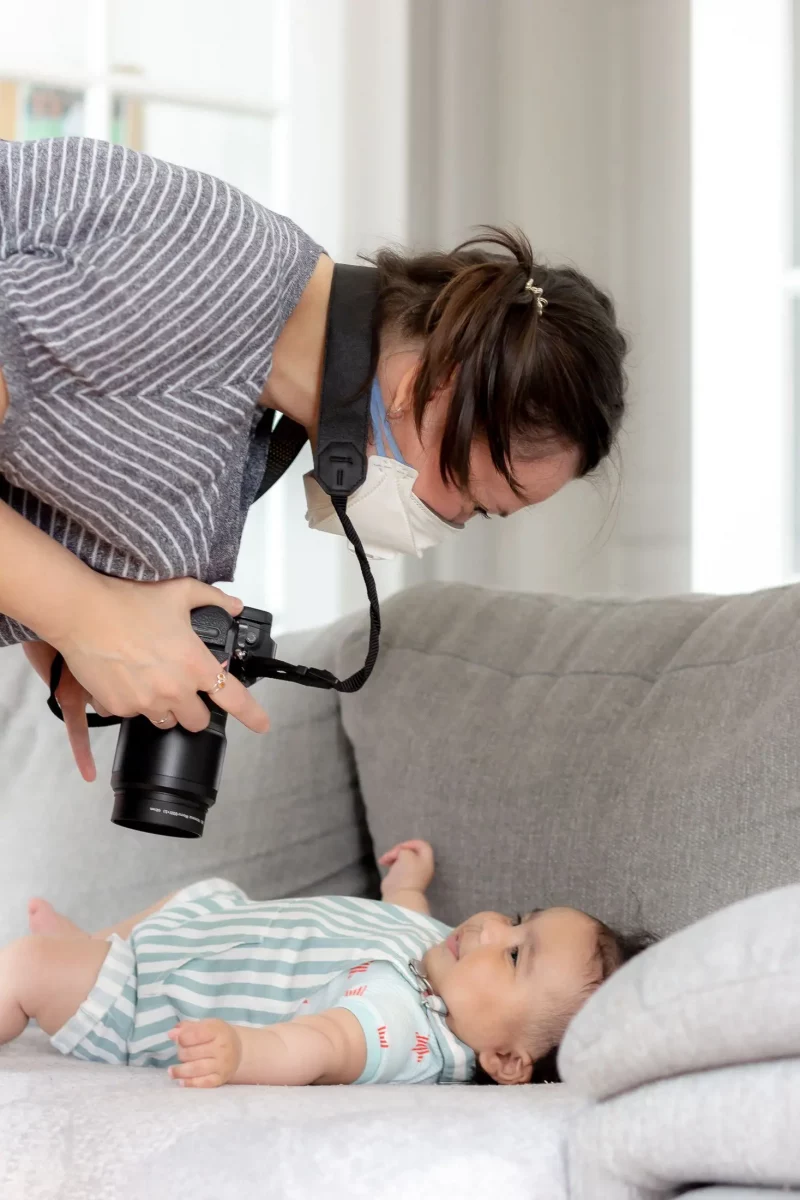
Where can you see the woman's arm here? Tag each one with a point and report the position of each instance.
(411, 867)
(129, 646)
(42, 585)
(327, 1048)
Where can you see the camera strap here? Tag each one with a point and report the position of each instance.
(340, 460)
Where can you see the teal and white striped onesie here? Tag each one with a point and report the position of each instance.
(212, 952)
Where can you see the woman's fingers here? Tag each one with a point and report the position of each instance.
(163, 670)
(166, 720)
(202, 594)
(190, 711)
(72, 699)
(241, 704)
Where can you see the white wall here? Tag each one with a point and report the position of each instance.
(572, 120)
(651, 274)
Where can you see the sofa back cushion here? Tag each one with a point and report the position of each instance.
(640, 760)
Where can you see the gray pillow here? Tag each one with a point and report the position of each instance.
(724, 991)
(737, 1125)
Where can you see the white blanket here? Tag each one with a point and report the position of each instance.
(77, 1131)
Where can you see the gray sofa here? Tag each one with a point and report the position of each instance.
(639, 760)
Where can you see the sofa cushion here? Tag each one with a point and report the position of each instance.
(735, 1193)
(288, 819)
(637, 759)
(82, 1131)
(737, 1125)
(723, 991)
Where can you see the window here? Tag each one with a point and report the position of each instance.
(176, 81)
(793, 281)
(745, 289)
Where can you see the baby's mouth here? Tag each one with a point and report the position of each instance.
(452, 945)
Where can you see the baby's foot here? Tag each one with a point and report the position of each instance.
(43, 918)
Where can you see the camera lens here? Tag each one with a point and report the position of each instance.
(165, 781)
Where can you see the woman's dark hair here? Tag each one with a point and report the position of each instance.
(614, 950)
(521, 378)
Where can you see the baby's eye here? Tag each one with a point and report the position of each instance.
(517, 920)
(514, 955)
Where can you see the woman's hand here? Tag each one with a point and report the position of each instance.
(210, 1051)
(131, 650)
(411, 866)
(73, 699)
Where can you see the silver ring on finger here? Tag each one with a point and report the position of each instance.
(219, 683)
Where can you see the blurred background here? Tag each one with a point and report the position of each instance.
(650, 142)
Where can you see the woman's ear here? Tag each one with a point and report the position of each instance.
(507, 1066)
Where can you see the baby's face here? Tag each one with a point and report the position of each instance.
(511, 986)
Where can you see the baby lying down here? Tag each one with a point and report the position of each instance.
(223, 989)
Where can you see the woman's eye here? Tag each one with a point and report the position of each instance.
(483, 513)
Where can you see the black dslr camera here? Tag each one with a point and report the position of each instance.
(165, 781)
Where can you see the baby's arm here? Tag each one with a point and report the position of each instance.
(327, 1048)
(411, 871)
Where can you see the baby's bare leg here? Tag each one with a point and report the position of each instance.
(43, 918)
(46, 979)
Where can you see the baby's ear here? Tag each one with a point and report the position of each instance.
(507, 1066)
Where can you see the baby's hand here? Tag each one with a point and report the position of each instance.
(411, 866)
(210, 1052)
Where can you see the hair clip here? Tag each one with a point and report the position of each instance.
(538, 294)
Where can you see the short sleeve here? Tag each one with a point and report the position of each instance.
(401, 1047)
(140, 303)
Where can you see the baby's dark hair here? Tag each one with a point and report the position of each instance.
(533, 352)
(614, 949)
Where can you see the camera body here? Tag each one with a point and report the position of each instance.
(165, 781)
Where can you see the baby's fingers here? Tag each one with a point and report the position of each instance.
(195, 1053)
(415, 845)
(192, 1033)
(203, 1073)
(389, 857)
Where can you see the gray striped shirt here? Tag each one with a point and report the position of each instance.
(140, 303)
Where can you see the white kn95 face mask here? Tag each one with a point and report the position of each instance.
(388, 517)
